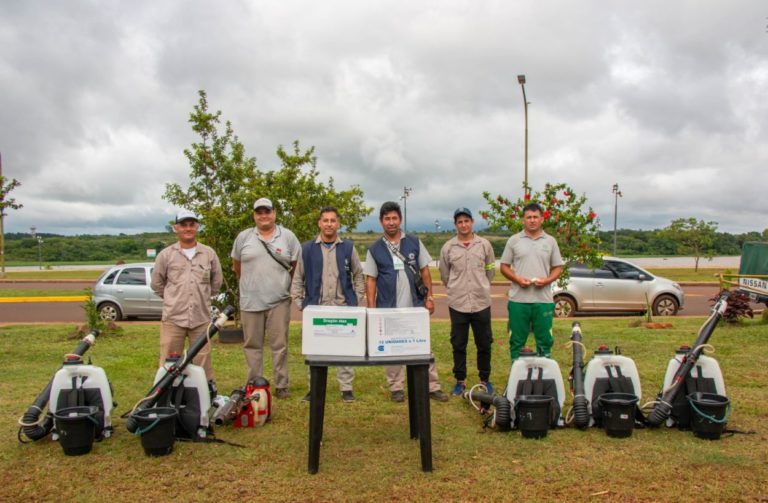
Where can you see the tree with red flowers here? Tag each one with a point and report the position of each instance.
(566, 218)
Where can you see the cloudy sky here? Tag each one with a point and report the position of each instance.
(667, 99)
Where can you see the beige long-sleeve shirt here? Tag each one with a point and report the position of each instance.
(186, 285)
(466, 271)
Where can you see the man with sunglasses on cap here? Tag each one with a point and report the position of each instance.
(264, 258)
(186, 275)
(467, 265)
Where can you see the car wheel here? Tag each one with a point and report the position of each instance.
(109, 311)
(564, 307)
(665, 305)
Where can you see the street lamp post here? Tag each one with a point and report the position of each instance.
(616, 196)
(521, 81)
(33, 231)
(406, 192)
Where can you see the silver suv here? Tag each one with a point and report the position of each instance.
(124, 291)
(616, 286)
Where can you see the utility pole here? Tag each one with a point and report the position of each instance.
(616, 196)
(521, 81)
(406, 192)
(2, 215)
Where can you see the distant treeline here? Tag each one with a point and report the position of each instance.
(54, 248)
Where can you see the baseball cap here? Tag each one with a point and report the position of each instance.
(462, 211)
(186, 215)
(262, 203)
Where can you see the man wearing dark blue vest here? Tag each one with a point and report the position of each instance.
(391, 283)
(329, 274)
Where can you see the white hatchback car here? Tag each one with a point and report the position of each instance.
(616, 286)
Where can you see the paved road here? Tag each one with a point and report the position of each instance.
(696, 304)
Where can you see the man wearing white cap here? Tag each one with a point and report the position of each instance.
(263, 258)
(186, 275)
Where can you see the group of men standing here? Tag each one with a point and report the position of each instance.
(273, 269)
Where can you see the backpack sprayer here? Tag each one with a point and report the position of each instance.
(174, 370)
(31, 424)
(663, 405)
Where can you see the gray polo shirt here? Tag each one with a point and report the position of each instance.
(404, 298)
(531, 258)
(263, 282)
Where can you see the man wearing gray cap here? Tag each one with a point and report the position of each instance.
(186, 275)
(467, 266)
(264, 258)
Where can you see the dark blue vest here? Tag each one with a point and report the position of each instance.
(386, 282)
(312, 256)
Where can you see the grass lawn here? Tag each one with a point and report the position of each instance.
(367, 454)
(53, 275)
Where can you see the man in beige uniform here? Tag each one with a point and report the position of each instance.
(186, 275)
(467, 266)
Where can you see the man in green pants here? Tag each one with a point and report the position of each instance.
(531, 261)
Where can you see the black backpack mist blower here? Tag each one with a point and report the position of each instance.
(172, 372)
(580, 408)
(663, 406)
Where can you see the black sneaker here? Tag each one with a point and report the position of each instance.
(438, 395)
(347, 396)
(398, 396)
(306, 397)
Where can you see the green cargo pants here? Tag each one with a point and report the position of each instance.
(523, 317)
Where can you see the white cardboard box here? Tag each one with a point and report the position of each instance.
(333, 331)
(398, 331)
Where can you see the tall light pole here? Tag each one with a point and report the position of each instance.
(406, 192)
(616, 196)
(2, 230)
(33, 231)
(521, 81)
(437, 225)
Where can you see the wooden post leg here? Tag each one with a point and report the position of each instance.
(318, 379)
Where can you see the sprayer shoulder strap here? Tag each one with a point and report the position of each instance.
(538, 384)
(617, 382)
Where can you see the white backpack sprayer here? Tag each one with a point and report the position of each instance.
(693, 392)
(533, 399)
(79, 400)
(177, 404)
(606, 392)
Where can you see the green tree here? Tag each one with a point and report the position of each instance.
(224, 183)
(692, 236)
(6, 202)
(566, 217)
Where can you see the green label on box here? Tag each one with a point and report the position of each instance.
(334, 321)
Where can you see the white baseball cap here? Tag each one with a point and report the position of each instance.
(262, 203)
(186, 215)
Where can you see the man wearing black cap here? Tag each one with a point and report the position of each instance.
(467, 266)
(186, 275)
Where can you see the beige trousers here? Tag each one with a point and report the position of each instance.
(172, 339)
(396, 377)
(272, 323)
